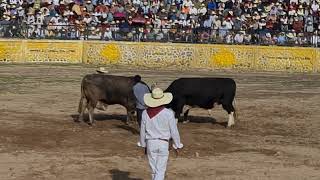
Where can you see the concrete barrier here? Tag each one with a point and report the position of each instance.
(174, 55)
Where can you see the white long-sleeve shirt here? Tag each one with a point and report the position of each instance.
(161, 126)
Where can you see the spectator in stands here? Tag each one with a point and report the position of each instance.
(239, 37)
(46, 17)
(281, 39)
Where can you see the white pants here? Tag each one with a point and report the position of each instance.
(158, 154)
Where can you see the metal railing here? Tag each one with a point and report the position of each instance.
(145, 34)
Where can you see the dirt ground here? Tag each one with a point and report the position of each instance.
(276, 137)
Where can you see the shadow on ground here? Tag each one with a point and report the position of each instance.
(101, 117)
(201, 119)
(117, 174)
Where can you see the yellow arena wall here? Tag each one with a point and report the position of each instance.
(162, 55)
(28, 51)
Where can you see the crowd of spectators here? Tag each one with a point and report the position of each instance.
(222, 21)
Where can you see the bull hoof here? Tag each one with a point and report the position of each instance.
(90, 124)
(185, 122)
(230, 126)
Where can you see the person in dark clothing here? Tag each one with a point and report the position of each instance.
(139, 90)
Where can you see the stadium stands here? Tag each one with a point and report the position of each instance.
(266, 22)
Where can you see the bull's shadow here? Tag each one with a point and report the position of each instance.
(117, 174)
(101, 117)
(106, 117)
(204, 119)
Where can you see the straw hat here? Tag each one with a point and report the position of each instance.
(267, 8)
(263, 15)
(290, 35)
(102, 70)
(157, 98)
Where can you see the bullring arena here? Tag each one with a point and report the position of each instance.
(276, 135)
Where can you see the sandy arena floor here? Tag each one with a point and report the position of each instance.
(277, 135)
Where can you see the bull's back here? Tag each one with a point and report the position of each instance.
(201, 86)
(108, 88)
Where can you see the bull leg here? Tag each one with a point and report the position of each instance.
(185, 116)
(91, 111)
(82, 108)
(230, 109)
(179, 109)
(231, 119)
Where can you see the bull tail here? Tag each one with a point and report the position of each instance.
(81, 99)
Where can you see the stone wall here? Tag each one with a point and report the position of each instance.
(173, 55)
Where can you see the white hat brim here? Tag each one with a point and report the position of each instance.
(151, 102)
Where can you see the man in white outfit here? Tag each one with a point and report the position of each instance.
(157, 127)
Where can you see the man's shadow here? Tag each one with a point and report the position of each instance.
(117, 174)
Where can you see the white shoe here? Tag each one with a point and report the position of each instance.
(139, 144)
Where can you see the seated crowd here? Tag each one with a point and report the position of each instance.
(220, 21)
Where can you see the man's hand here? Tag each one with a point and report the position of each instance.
(177, 149)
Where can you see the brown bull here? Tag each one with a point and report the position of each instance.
(108, 90)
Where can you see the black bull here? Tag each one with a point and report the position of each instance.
(108, 90)
(202, 93)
